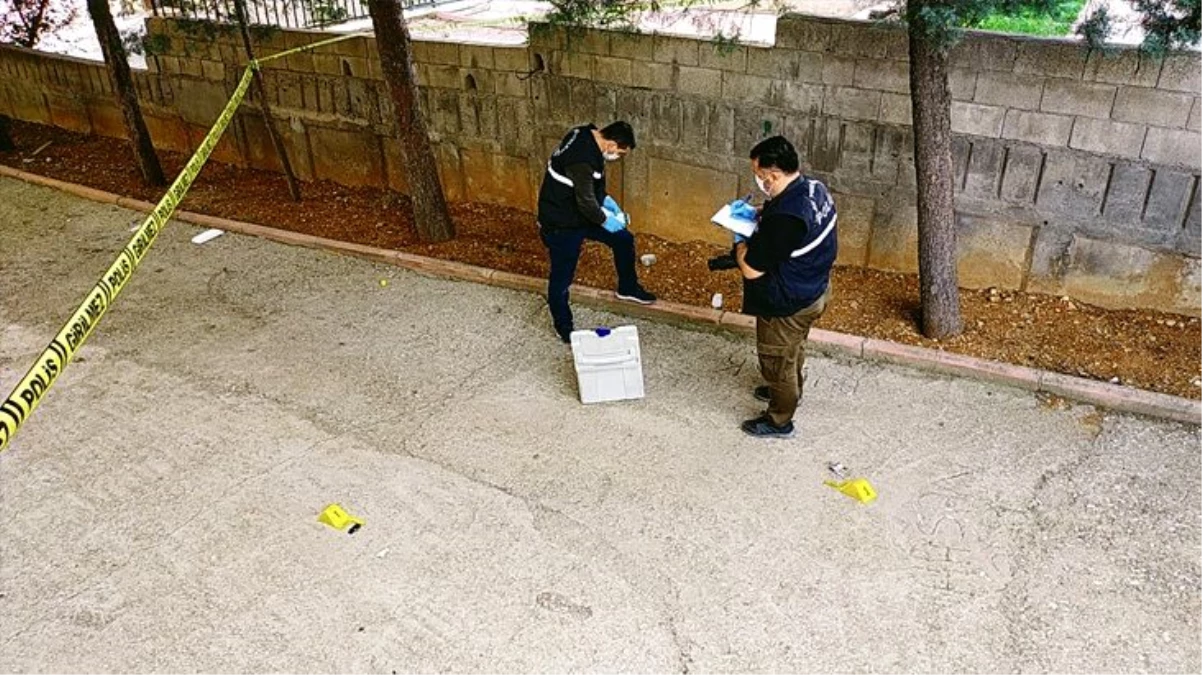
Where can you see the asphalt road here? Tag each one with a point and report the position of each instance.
(158, 512)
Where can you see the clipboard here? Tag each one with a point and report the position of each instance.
(724, 218)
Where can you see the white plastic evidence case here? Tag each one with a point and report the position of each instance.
(609, 365)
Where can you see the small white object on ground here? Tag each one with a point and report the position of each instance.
(648, 259)
(837, 470)
(717, 301)
(207, 235)
(382, 553)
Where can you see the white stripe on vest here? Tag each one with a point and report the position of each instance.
(819, 214)
(814, 244)
(560, 178)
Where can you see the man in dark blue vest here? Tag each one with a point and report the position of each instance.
(786, 266)
(573, 206)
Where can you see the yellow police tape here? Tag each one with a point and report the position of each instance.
(30, 391)
(303, 48)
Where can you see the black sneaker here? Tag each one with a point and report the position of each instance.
(763, 393)
(565, 335)
(762, 427)
(639, 295)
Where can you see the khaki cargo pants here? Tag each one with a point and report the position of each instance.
(780, 342)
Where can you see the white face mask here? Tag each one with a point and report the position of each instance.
(760, 183)
(611, 156)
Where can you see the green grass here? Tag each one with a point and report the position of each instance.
(1056, 23)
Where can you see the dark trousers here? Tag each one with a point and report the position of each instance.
(780, 342)
(564, 248)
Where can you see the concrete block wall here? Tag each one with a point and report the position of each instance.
(1077, 173)
(76, 94)
(1097, 155)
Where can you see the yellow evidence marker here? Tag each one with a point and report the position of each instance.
(334, 516)
(858, 489)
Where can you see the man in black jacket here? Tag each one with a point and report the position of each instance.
(786, 266)
(573, 206)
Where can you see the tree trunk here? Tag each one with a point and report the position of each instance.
(280, 152)
(6, 139)
(33, 29)
(932, 106)
(430, 213)
(127, 96)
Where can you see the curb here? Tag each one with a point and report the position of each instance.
(1101, 394)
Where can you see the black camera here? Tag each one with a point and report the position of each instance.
(723, 262)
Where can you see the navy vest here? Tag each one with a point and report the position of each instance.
(557, 207)
(799, 281)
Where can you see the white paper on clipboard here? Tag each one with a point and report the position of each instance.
(737, 225)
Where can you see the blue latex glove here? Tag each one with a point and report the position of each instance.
(614, 223)
(739, 239)
(610, 205)
(742, 210)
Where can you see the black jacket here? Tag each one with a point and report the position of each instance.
(795, 247)
(574, 183)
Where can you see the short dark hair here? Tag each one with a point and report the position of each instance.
(776, 153)
(620, 132)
